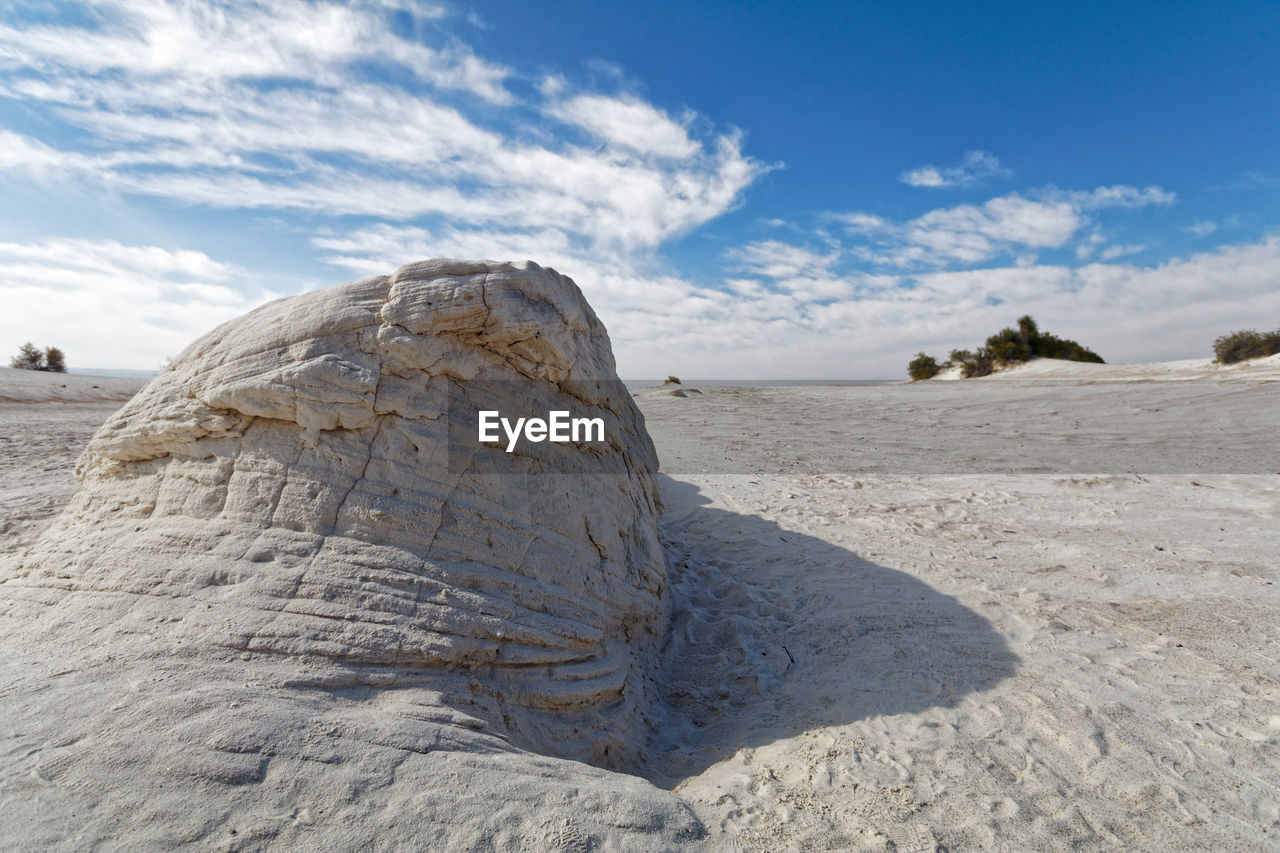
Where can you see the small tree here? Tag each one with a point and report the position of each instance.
(1028, 331)
(54, 360)
(29, 357)
(1007, 345)
(922, 367)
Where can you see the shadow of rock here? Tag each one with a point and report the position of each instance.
(775, 633)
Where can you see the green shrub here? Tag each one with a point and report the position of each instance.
(922, 367)
(980, 363)
(1244, 344)
(1028, 331)
(1007, 345)
(1051, 346)
(1024, 343)
(983, 363)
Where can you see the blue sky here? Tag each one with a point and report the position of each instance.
(804, 190)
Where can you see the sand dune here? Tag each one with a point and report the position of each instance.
(1265, 369)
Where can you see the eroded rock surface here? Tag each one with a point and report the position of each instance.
(295, 599)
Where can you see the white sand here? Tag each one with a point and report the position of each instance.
(34, 386)
(982, 615)
(985, 661)
(39, 443)
(1192, 368)
(977, 615)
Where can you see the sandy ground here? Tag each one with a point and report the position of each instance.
(1191, 368)
(46, 419)
(981, 615)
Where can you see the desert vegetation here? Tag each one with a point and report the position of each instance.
(923, 366)
(1246, 344)
(31, 357)
(1007, 346)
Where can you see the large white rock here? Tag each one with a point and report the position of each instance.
(296, 601)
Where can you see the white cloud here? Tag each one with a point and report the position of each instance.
(975, 233)
(247, 104)
(1119, 251)
(864, 222)
(380, 248)
(1114, 196)
(774, 259)
(1128, 313)
(975, 167)
(23, 152)
(1202, 229)
(971, 234)
(793, 311)
(627, 123)
(237, 39)
(112, 305)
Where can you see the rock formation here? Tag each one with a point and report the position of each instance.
(295, 601)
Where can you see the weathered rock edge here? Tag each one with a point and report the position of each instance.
(288, 548)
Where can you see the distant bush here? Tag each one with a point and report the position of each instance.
(31, 357)
(1050, 346)
(1246, 344)
(979, 363)
(54, 360)
(922, 367)
(1009, 346)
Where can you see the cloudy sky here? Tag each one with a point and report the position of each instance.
(804, 190)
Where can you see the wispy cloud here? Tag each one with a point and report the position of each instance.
(1128, 312)
(971, 234)
(775, 259)
(975, 167)
(1202, 229)
(1118, 195)
(628, 124)
(372, 110)
(1251, 180)
(1119, 251)
(113, 305)
(794, 310)
(243, 39)
(245, 104)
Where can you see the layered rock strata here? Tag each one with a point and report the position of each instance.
(293, 579)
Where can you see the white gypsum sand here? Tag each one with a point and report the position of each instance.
(46, 419)
(1002, 615)
(976, 615)
(1192, 368)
